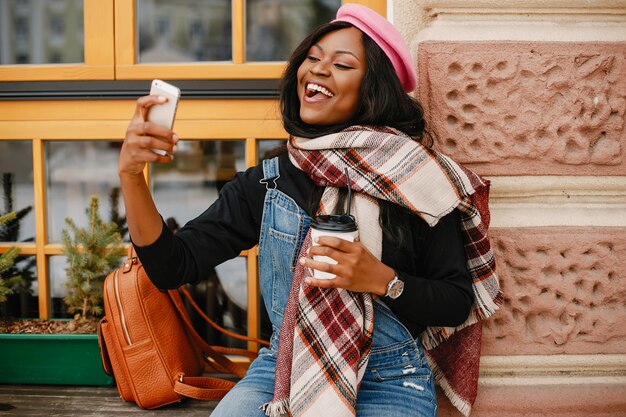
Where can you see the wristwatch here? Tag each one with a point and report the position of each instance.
(395, 287)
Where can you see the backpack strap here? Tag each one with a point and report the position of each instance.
(202, 388)
(217, 326)
(215, 357)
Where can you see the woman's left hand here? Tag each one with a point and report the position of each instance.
(356, 269)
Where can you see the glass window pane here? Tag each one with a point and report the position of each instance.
(58, 286)
(275, 27)
(223, 297)
(266, 148)
(41, 32)
(184, 31)
(16, 173)
(22, 302)
(186, 187)
(77, 170)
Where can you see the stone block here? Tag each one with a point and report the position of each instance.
(565, 291)
(579, 398)
(527, 108)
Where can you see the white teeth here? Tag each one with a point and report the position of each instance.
(316, 87)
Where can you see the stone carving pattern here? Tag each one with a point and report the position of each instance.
(565, 292)
(563, 108)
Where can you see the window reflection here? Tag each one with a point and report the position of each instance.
(22, 302)
(184, 189)
(77, 170)
(58, 287)
(184, 30)
(222, 294)
(196, 175)
(17, 192)
(41, 32)
(17, 195)
(275, 27)
(269, 148)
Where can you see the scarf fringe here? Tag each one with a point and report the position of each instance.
(276, 408)
(459, 403)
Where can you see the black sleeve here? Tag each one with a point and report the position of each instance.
(227, 227)
(437, 284)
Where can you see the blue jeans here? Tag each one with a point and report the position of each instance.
(397, 382)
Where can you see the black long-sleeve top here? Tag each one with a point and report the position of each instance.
(431, 260)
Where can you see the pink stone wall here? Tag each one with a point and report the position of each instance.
(527, 108)
(536, 400)
(565, 291)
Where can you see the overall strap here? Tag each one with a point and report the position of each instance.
(270, 173)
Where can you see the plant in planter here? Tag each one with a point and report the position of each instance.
(71, 359)
(92, 253)
(20, 302)
(7, 260)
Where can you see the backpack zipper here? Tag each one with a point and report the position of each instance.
(121, 309)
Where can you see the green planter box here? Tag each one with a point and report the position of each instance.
(56, 359)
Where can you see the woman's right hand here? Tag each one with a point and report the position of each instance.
(143, 135)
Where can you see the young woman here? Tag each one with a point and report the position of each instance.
(348, 345)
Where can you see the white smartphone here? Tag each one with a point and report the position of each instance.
(164, 114)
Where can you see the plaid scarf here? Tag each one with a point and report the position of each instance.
(316, 375)
(323, 349)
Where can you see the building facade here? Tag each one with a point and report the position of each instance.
(530, 94)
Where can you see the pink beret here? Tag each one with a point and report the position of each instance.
(386, 37)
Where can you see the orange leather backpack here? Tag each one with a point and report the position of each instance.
(150, 347)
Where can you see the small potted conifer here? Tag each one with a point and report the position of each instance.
(7, 260)
(70, 358)
(92, 253)
(18, 300)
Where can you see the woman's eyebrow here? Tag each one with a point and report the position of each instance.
(339, 51)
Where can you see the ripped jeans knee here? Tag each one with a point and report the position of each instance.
(398, 383)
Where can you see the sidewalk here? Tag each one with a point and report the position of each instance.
(68, 401)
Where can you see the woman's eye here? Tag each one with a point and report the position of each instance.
(342, 66)
(313, 58)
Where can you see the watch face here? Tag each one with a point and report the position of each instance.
(395, 289)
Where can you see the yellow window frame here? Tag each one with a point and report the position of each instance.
(39, 122)
(99, 52)
(126, 51)
(110, 51)
(110, 54)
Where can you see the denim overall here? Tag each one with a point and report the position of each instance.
(397, 382)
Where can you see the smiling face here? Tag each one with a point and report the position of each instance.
(329, 79)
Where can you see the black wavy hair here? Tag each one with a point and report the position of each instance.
(382, 102)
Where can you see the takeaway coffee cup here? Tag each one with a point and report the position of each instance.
(342, 226)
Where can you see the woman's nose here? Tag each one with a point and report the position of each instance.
(320, 68)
